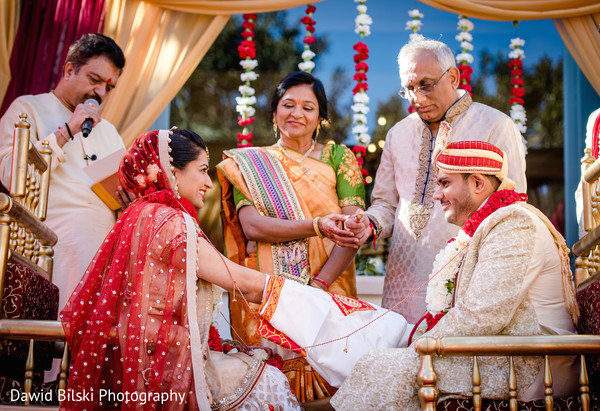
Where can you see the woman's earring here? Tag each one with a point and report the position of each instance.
(275, 129)
(317, 131)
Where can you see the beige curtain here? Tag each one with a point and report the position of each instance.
(576, 20)
(9, 19)
(163, 42)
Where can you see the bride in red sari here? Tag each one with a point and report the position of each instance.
(138, 322)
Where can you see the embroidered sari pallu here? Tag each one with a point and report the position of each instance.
(280, 187)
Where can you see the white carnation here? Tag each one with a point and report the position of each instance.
(306, 65)
(359, 129)
(516, 42)
(363, 29)
(517, 54)
(361, 8)
(464, 57)
(247, 111)
(251, 100)
(413, 24)
(414, 36)
(248, 64)
(360, 118)
(248, 76)
(465, 45)
(464, 36)
(363, 19)
(415, 13)
(307, 55)
(364, 139)
(361, 98)
(465, 25)
(260, 354)
(360, 108)
(246, 90)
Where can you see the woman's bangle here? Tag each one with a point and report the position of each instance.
(316, 227)
(321, 282)
(69, 130)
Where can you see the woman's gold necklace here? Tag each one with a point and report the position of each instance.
(284, 151)
(300, 160)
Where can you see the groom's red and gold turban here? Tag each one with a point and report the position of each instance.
(473, 157)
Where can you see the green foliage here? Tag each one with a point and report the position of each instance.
(543, 98)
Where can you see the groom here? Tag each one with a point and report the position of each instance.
(505, 273)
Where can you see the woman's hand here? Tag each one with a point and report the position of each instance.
(359, 225)
(330, 228)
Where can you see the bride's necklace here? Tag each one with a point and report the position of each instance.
(284, 151)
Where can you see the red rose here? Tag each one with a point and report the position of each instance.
(248, 43)
(249, 16)
(241, 145)
(515, 63)
(466, 87)
(361, 66)
(309, 40)
(241, 137)
(246, 34)
(364, 171)
(306, 20)
(465, 78)
(214, 339)
(360, 160)
(466, 69)
(310, 29)
(276, 361)
(359, 87)
(517, 81)
(359, 151)
(360, 77)
(411, 109)
(310, 9)
(361, 47)
(516, 100)
(245, 121)
(358, 57)
(516, 72)
(517, 91)
(248, 25)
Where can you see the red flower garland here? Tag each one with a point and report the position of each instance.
(361, 67)
(309, 23)
(246, 51)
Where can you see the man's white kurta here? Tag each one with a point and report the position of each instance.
(77, 215)
(406, 178)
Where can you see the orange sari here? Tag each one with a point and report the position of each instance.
(273, 181)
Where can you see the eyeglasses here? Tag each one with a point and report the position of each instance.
(423, 90)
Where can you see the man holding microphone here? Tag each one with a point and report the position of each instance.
(75, 213)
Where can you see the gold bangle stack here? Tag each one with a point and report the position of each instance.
(316, 227)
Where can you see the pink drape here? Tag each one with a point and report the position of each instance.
(46, 30)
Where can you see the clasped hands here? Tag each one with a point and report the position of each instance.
(346, 230)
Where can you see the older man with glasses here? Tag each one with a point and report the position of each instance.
(402, 199)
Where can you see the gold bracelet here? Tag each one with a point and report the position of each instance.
(316, 227)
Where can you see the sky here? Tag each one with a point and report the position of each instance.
(335, 19)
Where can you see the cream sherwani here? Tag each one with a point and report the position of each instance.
(402, 199)
(510, 283)
(77, 215)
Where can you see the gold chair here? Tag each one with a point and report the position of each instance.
(586, 343)
(26, 249)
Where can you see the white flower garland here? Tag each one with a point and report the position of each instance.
(360, 107)
(440, 288)
(465, 38)
(414, 23)
(517, 111)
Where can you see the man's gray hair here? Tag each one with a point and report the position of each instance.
(419, 44)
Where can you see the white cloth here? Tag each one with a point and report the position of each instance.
(406, 172)
(510, 283)
(322, 321)
(76, 214)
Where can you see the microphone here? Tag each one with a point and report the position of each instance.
(86, 127)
